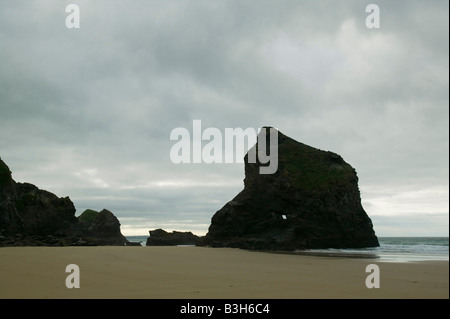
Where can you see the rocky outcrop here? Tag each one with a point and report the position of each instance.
(160, 237)
(31, 216)
(102, 227)
(27, 210)
(311, 201)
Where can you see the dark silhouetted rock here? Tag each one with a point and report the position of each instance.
(27, 210)
(87, 217)
(160, 237)
(312, 201)
(106, 229)
(30, 216)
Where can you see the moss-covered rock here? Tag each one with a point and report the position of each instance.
(88, 216)
(311, 201)
(32, 216)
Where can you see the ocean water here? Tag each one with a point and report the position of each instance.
(392, 249)
(396, 249)
(413, 248)
(140, 239)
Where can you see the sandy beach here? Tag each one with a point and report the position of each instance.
(208, 273)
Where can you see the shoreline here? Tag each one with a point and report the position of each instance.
(109, 272)
(406, 252)
(321, 253)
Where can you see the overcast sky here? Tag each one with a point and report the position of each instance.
(87, 113)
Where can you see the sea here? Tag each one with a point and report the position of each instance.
(392, 249)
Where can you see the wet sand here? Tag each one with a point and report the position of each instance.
(209, 273)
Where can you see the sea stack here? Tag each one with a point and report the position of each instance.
(30, 216)
(27, 210)
(159, 237)
(311, 201)
(103, 227)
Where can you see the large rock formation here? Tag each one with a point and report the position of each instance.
(102, 227)
(312, 201)
(31, 216)
(160, 237)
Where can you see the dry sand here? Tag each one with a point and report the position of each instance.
(198, 272)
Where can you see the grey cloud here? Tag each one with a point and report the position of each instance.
(88, 112)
